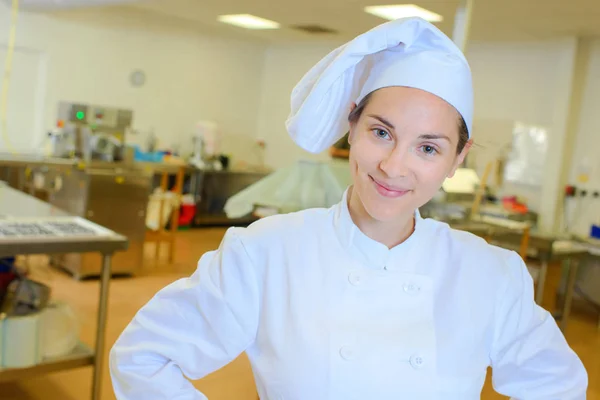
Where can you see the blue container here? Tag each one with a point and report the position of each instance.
(595, 233)
(142, 156)
(7, 264)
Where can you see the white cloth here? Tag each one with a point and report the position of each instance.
(405, 52)
(325, 313)
(302, 185)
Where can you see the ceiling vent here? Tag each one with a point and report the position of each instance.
(314, 29)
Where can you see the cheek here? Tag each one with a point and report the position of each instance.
(353, 166)
(364, 157)
(432, 175)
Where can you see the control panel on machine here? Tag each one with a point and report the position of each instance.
(91, 131)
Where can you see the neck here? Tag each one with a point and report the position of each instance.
(389, 233)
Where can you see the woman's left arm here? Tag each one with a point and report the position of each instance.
(531, 359)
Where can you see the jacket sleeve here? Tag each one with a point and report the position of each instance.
(531, 359)
(190, 328)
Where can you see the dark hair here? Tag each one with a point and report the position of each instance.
(463, 131)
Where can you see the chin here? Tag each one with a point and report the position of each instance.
(386, 214)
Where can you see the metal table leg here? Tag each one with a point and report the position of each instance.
(101, 326)
(539, 295)
(573, 266)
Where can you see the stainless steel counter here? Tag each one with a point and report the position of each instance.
(110, 194)
(15, 203)
(212, 189)
(24, 160)
(541, 242)
(116, 195)
(20, 208)
(115, 199)
(19, 160)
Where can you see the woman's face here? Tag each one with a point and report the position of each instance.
(403, 147)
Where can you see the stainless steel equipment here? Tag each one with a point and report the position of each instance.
(25, 210)
(213, 188)
(116, 195)
(72, 141)
(110, 194)
(35, 175)
(112, 197)
(91, 132)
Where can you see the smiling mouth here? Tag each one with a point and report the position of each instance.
(387, 191)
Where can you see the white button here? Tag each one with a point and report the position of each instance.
(347, 353)
(354, 278)
(417, 361)
(411, 289)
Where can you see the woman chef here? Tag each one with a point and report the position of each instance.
(365, 300)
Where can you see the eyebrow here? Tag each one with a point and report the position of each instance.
(428, 136)
(383, 121)
(433, 136)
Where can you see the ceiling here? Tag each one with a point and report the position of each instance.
(493, 20)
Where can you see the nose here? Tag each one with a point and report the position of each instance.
(396, 163)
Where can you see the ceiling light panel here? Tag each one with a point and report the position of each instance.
(248, 21)
(393, 12)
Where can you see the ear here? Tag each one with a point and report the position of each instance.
(351, 132)
(460, 158)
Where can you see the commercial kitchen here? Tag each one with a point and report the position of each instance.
(134, 134)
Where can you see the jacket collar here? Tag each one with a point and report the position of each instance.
(372, 253)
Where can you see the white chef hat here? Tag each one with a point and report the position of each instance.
(405, 52)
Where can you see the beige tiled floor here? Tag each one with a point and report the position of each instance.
(235, 381)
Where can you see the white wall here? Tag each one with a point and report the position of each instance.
(586, 158)
(512, 82)
(284, 67)
(517, 81)
(530, 83)
(25, 104)
(189, 77)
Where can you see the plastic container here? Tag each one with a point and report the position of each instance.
(7, 264)
(187, 214)
(169, 201)
(7, 274)
(595, 231)
(20, 341)
(60, 330)
(142, 156)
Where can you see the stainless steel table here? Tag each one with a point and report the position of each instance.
(114, 195)
(17, 207)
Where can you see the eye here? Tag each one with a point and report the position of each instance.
(380, 133)
(429, 150)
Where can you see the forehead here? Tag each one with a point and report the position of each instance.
(413, 109)
(407, 97)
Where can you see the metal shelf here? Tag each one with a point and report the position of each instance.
(80, 357)
(21, 205)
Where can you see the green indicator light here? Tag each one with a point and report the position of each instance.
(80, 115)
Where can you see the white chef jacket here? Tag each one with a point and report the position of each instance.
(324, 312)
